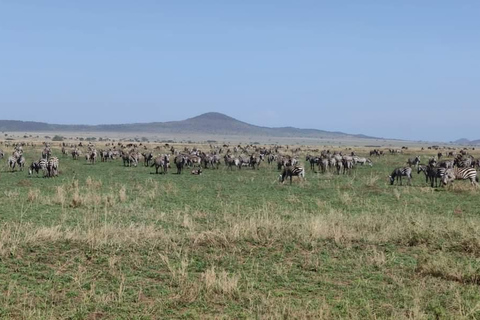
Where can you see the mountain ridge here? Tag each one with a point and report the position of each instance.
(214, 123)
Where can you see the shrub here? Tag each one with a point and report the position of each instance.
(57, 138)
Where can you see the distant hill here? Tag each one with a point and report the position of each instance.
(467, 142)
(212, 123)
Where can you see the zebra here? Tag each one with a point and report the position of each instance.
(446, 164)
(313, 161)
(147, 157)
(290, 171)
(180, 161)
(75, 153)
(37, 166)
(323, 164)
(130, 159)
(92, 156)
(464, 162)
(362, 161)
(347, 165)
(460, 174)
(46, 153)
(1, 154)
(161, 162)
(197, 171)
(413, 161)
(255, 161)
(398, 173)
(21, 162)
(52, 167)
(432, 173)
(12, 162)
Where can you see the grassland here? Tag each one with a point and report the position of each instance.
(108, 242)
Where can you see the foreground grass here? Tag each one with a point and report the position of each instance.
(106, 241)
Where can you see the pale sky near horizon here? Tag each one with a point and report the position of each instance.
(394, 69)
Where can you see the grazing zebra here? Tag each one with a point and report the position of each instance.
(460, 174)
(161, 162)
(1, 154)
(413, 161)
(398, 173)
(290, 171)
(180, 163)
(362, 161)
(130, 159)
(52, 167)
(37, 166)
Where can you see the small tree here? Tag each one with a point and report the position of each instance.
(57, 138)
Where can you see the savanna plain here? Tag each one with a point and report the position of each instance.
(105, 241)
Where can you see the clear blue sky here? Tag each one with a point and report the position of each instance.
(398, 69)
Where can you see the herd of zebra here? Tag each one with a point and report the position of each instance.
(462, 166)
(47, 163)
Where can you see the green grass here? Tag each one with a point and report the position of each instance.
(105, 241)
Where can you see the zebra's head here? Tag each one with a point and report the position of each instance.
(392, 179)
(448, 177)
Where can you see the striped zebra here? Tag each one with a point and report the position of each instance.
(46, 153)
(52, 167)
(460, 174)
(255, 161)
(432, 174)
(1, 154)
(21, 162)
(180, 161)
(446, 164)
(290, 171)
(92, 156)
(323, 164)
(398, 173)
(347, 165)
(413, 161)
(313, 161)
(12, 162)
(147, 157)
(362, 161)
(232, 162)
(75, 153)
(463, 162)
(161, 162)
(37, 166)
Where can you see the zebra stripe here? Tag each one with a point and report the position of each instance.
(460, 174)
(289, 172)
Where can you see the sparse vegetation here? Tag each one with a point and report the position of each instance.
(109, 241)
